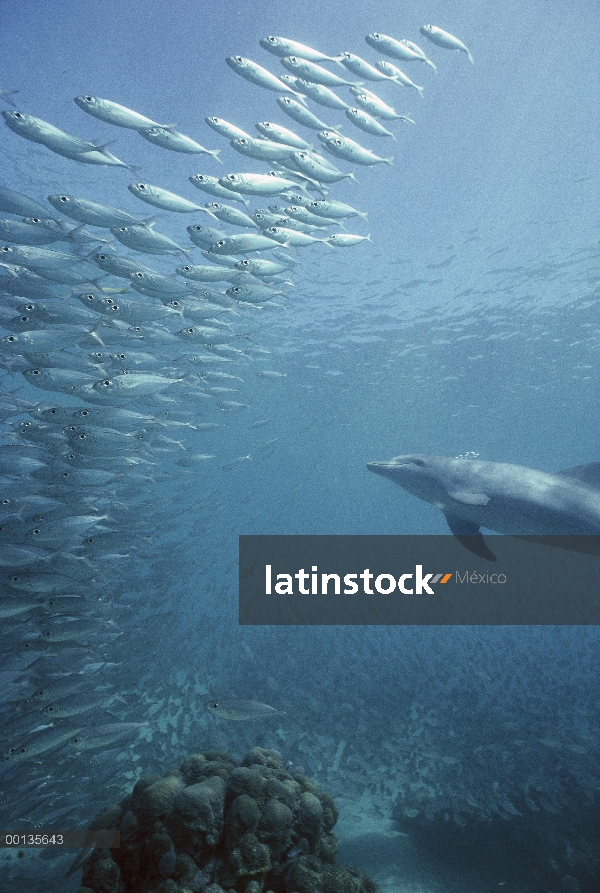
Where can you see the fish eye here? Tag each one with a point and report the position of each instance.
(89, 98)
(243, 141)
(107, 382)
(376, 35)
(186, 269)
(190, 331)
(272, 39)
(114, 307)
(221, 242)
(90, 297)
(23, 318)
(175, 304)
(6, 502)
(65, 474)
(63, 198)
(12, 338)
(141, 185)
(84, 412)
(18, 115)
(30, 307)
(214, 705)
(101, 257)
(35, 371)
(337, 142)
(139, 275)
(81, 436)
(122, 229)
(121, 356)
(5, 248)
(239, 59)
(231, 177)
(36, 531)
(236, 289)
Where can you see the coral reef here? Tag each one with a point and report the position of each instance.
(216, 824)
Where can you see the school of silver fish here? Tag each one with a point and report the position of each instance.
(133, 365)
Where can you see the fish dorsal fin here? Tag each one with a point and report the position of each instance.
(469, 497)
(468, 533)
(587, 474)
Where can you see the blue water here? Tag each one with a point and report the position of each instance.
(469, 323)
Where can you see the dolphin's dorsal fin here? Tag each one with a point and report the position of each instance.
(587, 474)
(468, 533)
(468, 497)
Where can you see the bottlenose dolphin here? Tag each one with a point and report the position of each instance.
(509, 499)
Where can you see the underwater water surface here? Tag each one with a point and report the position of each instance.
(466, 325)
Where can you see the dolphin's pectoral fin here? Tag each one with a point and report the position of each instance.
(468, 533)
(467, 497)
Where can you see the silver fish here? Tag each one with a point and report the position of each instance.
(12, 202)
(141, 237)
(92, 213)
(396, 49)
(224, 128)
(113, 113)
(361, 68)
(162, 198)
(242, 243)
(316, 74)
(445, 40)
(322, 95)
(349, 150)
(280, 134)
(394, 73)
(299, 113)
(167, 138)
(241, 710)
(258, 75)
(281, 46)
(213, 187)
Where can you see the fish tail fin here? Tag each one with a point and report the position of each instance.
(406, 119)
(471, 59)
(431, 64)
(368, 238)
(328, 243)
(5, 94)
(215, 154)
(421, 91)
(337, 59)
(390, 161)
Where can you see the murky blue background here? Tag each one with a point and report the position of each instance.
(470, 323)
